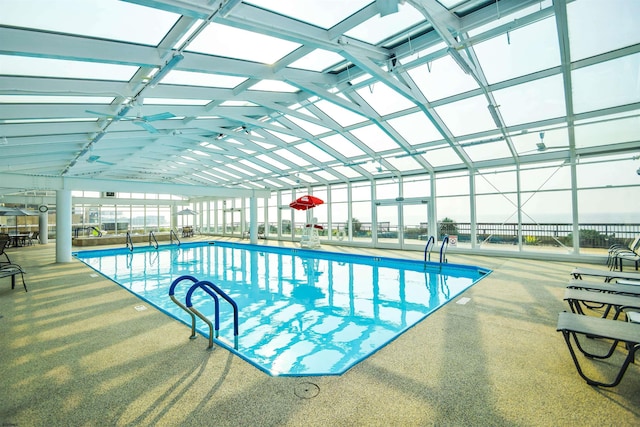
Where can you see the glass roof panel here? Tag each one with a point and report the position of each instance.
(507, 18)
(377, 29)
(283, 136)
(347, 171)
(607, 84)
(532, 101)
(442, 156)
(230, 42)
(341, 115)
(255, 166)
(57, 120)
(273, 162)
(188, 78)
(40, 99)
(325, 175)
(404, 164)
(342, 145)
(108, 19)
(608, 130)
(318, 60)
(415, 128)
(467, 116)
(489, 151)
(312, 128)
(315, 152)
(293, 158)
(175, 101)
(274, 86)
(324, 14)
(373, 137)
(442, 78)
(383, 99)
(597, 26)
(47, 67)
(524, 51)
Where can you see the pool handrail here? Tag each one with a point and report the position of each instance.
(205, 285)
(173, 234)
(427, 249)
(152, 239)
(129, 242)
(172, 289)
(443, 248)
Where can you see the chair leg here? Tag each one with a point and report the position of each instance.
(632, 348)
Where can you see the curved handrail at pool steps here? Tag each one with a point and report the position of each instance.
(152, 240)
(427, 249)
(443, 248)
(172, 289)
(212, 290)
(129, 242)
(172, 235)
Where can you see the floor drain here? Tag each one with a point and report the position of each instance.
(307, 390)
(140, 307)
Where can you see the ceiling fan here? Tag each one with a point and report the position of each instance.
(139, 119)
(542, 147)
(96, 159)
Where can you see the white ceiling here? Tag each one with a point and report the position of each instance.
(270, 94)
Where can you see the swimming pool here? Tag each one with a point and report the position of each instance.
(301, 312)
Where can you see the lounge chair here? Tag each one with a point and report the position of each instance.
(577, 298)
(13, 270)
(572, 325)
(619, 253)
(608, 287)
(578, 272)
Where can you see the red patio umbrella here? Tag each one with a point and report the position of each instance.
(305, 202)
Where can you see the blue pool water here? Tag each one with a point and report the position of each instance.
(301, 312)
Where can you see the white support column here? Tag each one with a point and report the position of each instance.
(63, 226)
(43, 227)
(253, 220)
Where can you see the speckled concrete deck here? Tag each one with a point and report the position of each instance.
(74, 351)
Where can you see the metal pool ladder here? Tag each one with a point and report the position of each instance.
(214, 292)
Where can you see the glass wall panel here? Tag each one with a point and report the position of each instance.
(608, 130)
(416, 187)
(452, 204)
(123, 219)
(496, 210)
(339, 211)
(138, 225)
(107, 218)
(361, 221)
